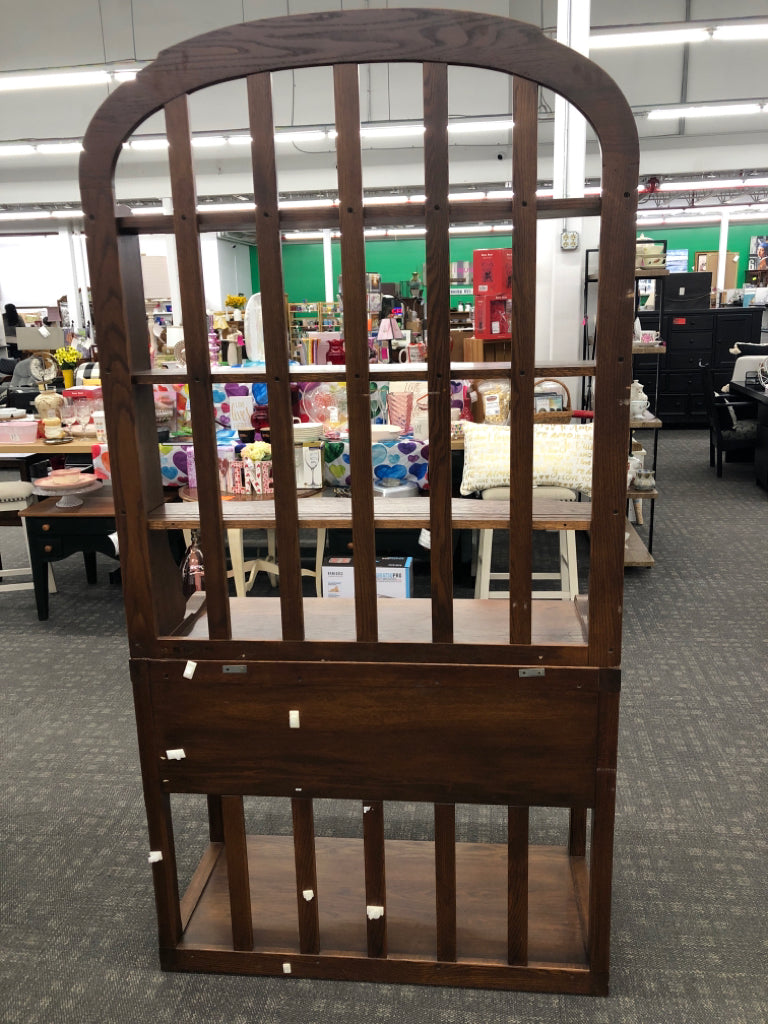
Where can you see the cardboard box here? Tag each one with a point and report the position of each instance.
(492, 318)
(394, 576)
(492, 272)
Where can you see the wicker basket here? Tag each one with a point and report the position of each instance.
(554, 417)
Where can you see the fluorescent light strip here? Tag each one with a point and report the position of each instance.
(506, 193)
(397, 232)
(306, 204)
(692, 186)
(143, 211)
(54, 148)
(208, 141)
(383, 200)
(391, 131)
(126, 74)
(470, 229)
(225, 207)
(17, 83)
(26, 215)
(476, 127)
(464, 197)
(19, 150)
(737, 33)
(723, 110)
(667, 37)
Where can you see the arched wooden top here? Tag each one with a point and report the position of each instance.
(298, 41)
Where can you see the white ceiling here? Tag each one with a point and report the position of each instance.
(42, 34)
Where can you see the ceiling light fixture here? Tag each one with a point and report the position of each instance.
(208, 141)
(475, 127)
(25, 215)
(737, 33)
(55, 148)
(714, 110)
(464, 197)
(17, 83)
(693, 186)
(663, 37)
(17, 150)
(391, 131)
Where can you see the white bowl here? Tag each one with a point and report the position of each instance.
(385, 432)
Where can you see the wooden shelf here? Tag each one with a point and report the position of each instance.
(652, 424)
(636, 554)
(329, 512)
(638, 349)
(376, 371)
(556, 912)
(404, 626)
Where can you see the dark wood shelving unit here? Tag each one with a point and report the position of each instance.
(509, 703)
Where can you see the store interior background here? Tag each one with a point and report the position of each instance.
(40, 230)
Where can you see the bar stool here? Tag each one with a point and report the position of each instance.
(15, 496)
(567, 574)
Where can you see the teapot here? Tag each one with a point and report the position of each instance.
(637, 392)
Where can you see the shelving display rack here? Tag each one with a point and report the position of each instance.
(504, 704)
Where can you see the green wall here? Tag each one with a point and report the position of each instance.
(706, 238)
(395, 259)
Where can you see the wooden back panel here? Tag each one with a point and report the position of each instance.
(435, 39)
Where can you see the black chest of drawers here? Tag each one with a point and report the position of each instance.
(693, 337)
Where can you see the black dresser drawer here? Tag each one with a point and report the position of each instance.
(688, 360)
(690, 322)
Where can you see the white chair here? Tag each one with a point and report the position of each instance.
(15, 496)
(567, 574)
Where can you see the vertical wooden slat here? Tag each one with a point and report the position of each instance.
(276, 353)
(438, 347)
(198, 365)
(613, 373)
(148, 607)
(350, 176)
(603, 815)
(233, 820)
(517, 885)
(215, 822)
(375, 877)
(168, 600)
(524, 151)
(306, 874)
(577, 832)
(445, 880)
(159, 820)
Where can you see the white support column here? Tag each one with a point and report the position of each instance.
(65, 236)
(82, 305)
(722, 255)
(173, 268)
(328, 265)
(559, 335)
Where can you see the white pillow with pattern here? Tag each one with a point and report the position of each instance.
(562, 456)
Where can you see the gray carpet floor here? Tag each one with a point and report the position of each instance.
(690, 909)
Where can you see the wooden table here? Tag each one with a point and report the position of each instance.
(56, 533)
(41, 447)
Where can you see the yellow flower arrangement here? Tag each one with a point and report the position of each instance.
(67, 358)
(258, 451)
(235, 301)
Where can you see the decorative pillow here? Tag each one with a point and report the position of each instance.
(486, 457)
(744, 348)
(562, 456)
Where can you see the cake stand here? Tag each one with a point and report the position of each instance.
(68, 494)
